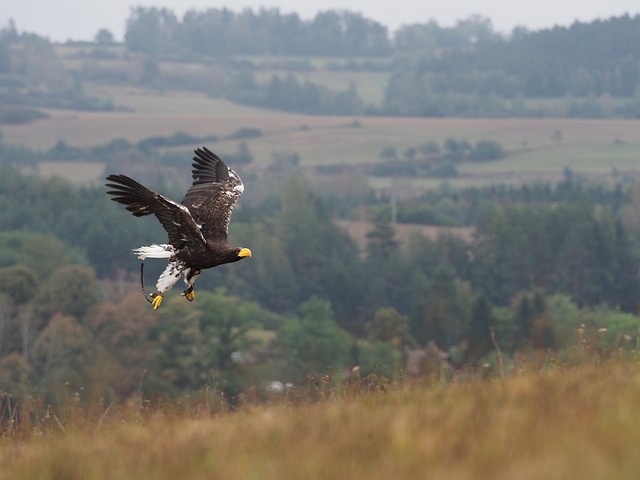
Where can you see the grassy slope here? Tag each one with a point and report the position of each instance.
(593, 147)
(580, 423)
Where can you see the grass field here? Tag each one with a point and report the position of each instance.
(574, 423)
(537, 148)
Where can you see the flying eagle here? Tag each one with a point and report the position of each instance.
(197, 227)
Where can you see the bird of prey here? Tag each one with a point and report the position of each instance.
(197, 227)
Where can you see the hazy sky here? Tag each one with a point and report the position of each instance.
(80, 19)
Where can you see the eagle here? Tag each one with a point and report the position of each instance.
(197, 227)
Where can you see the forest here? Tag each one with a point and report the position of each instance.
(547, 268)
(544, 263)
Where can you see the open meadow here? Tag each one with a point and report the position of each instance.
(582, 422)
(537, 149)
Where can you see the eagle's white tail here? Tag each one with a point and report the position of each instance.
(154, 251)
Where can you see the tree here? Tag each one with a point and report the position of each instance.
(177, 350)
(41, 254)
(120, 333)
(19, 283)
(388, 154)
(71, 290)
(381, 243)
(104, 38)
(379, 358)
(15, 370)
(225, 324)
(388, 325)
(271, 279)
(456, 150)
(410, 153)
(480, 325)
(322, 257)
(314, 344)
(151, 30)
(442, 313)
(530, 326)
(486, 150)
(429, 148)
(63, 354)
(193, 345)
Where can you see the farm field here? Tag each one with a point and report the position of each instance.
(575, 423)
(538, 149)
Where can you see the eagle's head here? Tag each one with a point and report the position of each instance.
(225, 254)
(238, 254)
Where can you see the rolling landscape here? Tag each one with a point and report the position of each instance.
(446, 247)
(593, 147)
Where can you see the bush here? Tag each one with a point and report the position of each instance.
(487, 150)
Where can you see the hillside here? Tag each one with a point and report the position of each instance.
(537, 149)
(576, 423)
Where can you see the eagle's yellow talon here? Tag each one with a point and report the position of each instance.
(189, 294)
(157, 300)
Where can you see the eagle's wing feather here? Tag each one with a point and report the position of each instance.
(213, 194)
(140, 201)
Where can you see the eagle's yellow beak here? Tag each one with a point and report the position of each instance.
(244, 252)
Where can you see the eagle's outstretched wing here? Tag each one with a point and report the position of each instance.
(140, 201)
(213, 194)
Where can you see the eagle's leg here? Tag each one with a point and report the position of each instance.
(189, 293)
(167, 279)
(190, 277)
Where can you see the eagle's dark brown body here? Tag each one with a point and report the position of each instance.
(197, 227)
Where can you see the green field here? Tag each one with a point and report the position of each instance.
(538, 149)
(574, 423)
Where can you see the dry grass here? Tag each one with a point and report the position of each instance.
(579, 423)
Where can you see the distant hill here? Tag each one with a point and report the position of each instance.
(339, 63)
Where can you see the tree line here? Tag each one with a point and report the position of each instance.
(479, 70)
(265, 32)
